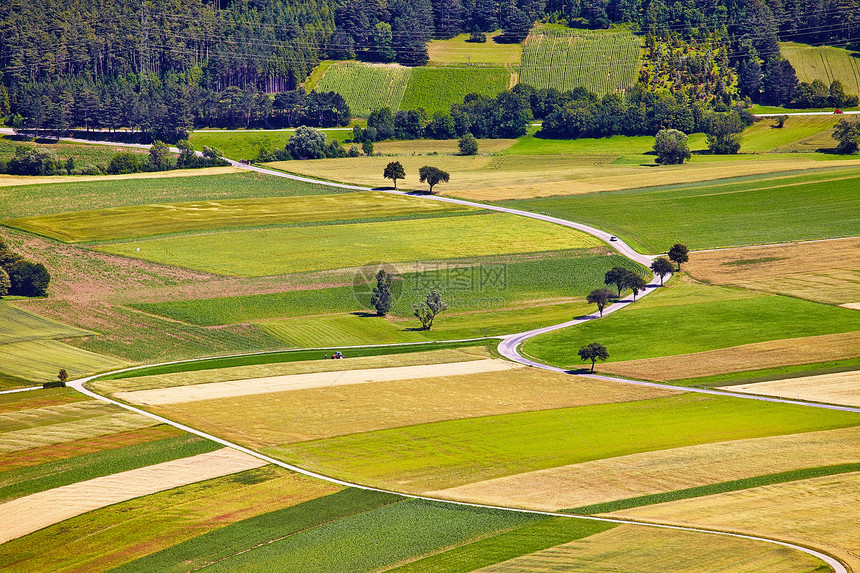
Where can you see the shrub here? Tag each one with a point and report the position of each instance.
(125, 162)
(28, 279)
(671, 147)
(468, 145)
(307, 143)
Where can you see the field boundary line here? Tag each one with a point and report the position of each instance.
(21, 390)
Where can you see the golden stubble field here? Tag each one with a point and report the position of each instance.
(819, 512)
(821, 271)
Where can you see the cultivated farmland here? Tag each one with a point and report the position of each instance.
(825, 63)
(601, 61)
(367, 87)
(437, 89)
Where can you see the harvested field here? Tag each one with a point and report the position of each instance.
(33, 512)
(103, 539)
(142, 220)
(237, 388)
(827, 272)
(509, 177)
(820, 512)
(636, 549)
(36, 437)
(40, 360)
(760, 355)
(661, 471)
(12, 180)
(47, 415)
(286, 417)
(41, 399)
(438, 146)
(53, 452)
(288, 369)
(839, 388)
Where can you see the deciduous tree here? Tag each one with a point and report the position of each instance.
(661, 268)
(394, 171)
(468, 145)
(678, 253)
(847, 134)
(426, 311)
(381, 298)
(600, 297)
(594, 352)
(671, 147)
(432, 176)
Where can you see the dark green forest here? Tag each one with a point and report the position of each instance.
(164, 66)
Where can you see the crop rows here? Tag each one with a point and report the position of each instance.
(366, 88)
(601, 62)
(437, 89)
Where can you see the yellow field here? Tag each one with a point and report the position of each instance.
(40, 360)
(288, 369)
(623, 477)
(9, 180)
(819, 512)
(33, 512)
(756, 356)
(288, 417)
(438, 146)
(295, 382)
(524, 176)
(26, 438)
(822, 271)
(840, 388)
(637, 549)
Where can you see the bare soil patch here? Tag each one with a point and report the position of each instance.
(662, 471)
(236, 388)
(823, 271)
(819, 512)
(33, 512)
(637, 549)
(760, 355)
(839, 388)
(288, 417)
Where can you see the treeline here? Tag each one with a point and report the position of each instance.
(19, 276)
(35, 161)
(168, 108)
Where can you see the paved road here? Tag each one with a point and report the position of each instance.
(509, 347)
(793, 113)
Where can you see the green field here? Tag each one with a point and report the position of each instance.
(437, 89)
(83, 154)
(18, 325)
(669, 322)
(40, 360)
(36, 200)
(447, 454)
(367, 87)
(459, 51)
(469, 285)
(798, 135)
(299, 249)
(142, 220)
(246, 144)
(825, 63)
(601, 61)
(761, 209)
(41, 477)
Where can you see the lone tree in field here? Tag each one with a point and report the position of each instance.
(427, 310)
(432, 176)
(381, 297)
(678, 253)
(847, 134)
(618, 276)
(62, 376)
(599, 297)
(635, 283)
(593, 352)
(671, 147)
(661, 268)
(468, 145)
(394, 171)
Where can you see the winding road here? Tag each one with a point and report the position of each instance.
(508, 347)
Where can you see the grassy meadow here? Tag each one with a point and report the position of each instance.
(300, 249)
(825, 63)
(673, 317)
(459, 51)
(239, 145)
(759, 210)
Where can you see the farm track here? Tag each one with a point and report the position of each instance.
(508, 347)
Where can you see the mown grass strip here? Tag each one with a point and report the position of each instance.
(245, 535)
(26, 481)
(289, 356)
(529, 538)
(723, 487)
